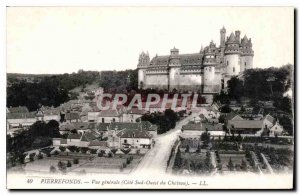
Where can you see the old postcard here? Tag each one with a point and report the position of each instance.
(150, 97)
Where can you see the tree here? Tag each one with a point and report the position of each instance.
(62, 148)
(69, 164)
(187, 148)
(198, 149)
(235, 88)
(244, 165)
(40, 156)
(52, 169)
(230, 165)
(225, 109)
(75, 161)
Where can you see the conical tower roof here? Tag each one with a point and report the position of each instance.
(231, 38)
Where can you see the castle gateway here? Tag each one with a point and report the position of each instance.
(206, 72)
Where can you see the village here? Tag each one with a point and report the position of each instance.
(204, 139)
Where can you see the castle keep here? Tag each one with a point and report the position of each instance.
(206, 71)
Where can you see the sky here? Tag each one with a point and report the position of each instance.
(55, 40)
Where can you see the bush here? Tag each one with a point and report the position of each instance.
(52, 169)
(126, 151)
(61, 148)
(31, 157)
(69, 164)
(75, 161)
(93, 151)
(84, 150)
(40, 156)
(55, 152)
(73, 148)
(114, 150)
(110, 155)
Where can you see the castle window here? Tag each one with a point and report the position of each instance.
(245, 63)
(227, 63)
(233, 69)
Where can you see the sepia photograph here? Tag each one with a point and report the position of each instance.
(162, 97)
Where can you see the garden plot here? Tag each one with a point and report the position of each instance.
(114, 164)
(235, 158)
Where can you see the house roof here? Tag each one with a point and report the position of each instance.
(19, 109)
(89, 136)
(144, 125)
(232, 115)
(102, 126)
(193, 127)
(67, 126)
(74, 136)
(72, 115)
(245, 124)
(136, 111)
(123, 125)
(134, 133)
(109, 113)
(270, 118)
(81, 125)
(17, 115)
(213, 127)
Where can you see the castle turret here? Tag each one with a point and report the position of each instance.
(174, 69)
(209, 69)
(222, 36)
(232, 56)
(246, 54)
(144, 62)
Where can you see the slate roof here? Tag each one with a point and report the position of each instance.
(134, 133)
(19, 109)
(185, 59)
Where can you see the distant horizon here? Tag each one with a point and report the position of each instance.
(119, 70)
(59, 40)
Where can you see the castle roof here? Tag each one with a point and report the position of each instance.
(185, 59)
(231, 39)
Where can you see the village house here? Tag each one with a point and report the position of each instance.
(195, 130)
(19, 109)
(244, 126)
(20, 120)
(135, 138)
(133, 115)
(72, 117)
(277, 129)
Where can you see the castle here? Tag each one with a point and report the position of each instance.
(206, 72)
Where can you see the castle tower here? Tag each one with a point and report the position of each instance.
(209, 69)
(144, 62)
(222, 36)
(174, 69)
(246, 54)
(232, 56)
